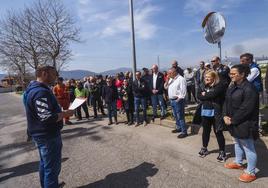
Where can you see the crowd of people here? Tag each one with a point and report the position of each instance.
(227, 97)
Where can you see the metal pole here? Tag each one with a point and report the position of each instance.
(219, 46)
(158, 62)
(132, 38)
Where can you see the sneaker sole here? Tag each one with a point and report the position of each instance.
(248, 181)
(241, 168)
(202, 156)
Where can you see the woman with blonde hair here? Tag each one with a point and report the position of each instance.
(211, 95)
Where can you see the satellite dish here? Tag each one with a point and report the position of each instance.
(214, 28)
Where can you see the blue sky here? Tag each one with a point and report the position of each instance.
(170, 29)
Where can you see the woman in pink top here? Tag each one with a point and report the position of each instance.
(118, 85)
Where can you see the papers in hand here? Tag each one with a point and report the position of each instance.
(77, 102)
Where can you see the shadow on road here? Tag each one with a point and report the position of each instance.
(229, 149)
(16, 145)
(15, 149)
(79, 132)
(106, 128)
(19, 147)
(132, 178)
(21, 170)
(262, 153)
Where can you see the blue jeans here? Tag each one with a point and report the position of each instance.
(50, 160)
(112, 110)
(178, 113)
(246, 146)
(137, 103)
(155, 100)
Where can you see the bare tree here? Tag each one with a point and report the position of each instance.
(18, 32)
(56, 31)
(14, 62)
(40, 34)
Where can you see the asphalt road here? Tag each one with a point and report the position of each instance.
(99, 156)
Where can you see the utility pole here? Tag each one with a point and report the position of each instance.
(158, 62)
(134, 67)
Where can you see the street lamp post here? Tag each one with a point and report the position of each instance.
(132, 38)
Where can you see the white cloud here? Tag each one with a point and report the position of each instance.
(84, 2)
(93, 10)
(100, 16)
(144, 28)
(256, 46)
(199, 6)
(111, 17)
(194, 7)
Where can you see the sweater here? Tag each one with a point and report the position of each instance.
(42, 111)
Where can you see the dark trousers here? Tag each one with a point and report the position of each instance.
(94, 102)
(100, 106)
(137, 102)
(130, 115)
(84, 106)
(191, 90)
(112, 110)
(207, 123)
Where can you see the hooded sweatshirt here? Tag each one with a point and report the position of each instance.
(42, 111)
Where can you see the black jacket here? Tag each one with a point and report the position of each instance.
(127, 97)
(214, 94)
(109, 93)
(180, 71)
(159, 83)
(100, 85)
(147, 79)
(141, 90)
(94, 91)
(242, 106)
(213, 99)
(223, 72)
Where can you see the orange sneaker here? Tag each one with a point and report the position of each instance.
(245, 177)
(233, 166)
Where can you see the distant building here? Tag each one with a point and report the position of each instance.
(230, 61)
(262, 63)
(8, 81)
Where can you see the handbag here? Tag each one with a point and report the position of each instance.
(207, 112)
(197, 119)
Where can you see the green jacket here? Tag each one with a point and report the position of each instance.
(81, 93)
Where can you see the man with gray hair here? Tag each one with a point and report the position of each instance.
(157, 90)
(176, 86)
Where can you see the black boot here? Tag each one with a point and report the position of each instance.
(110, 122)
(115, 119)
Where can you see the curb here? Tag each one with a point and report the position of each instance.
(15, 95)
(194, 129)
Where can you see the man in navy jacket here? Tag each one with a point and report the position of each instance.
(140, 90)
(44, 118)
